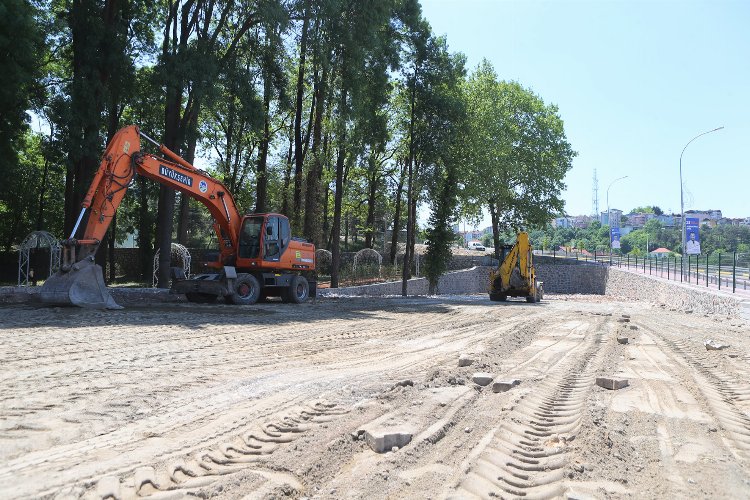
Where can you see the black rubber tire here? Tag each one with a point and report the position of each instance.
(498, 297)
(246, 290)
(531, 299)
(298, 291)
(201, 298)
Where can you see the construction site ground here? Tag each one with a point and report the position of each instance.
(168, 400)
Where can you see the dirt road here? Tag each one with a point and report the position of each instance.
(277, 400)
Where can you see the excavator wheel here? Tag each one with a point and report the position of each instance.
(498, 297)
(298, 291)
(246, 290)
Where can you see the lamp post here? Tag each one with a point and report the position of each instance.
(682, 197)
(609, 216)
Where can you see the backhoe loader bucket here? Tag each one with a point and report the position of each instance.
(82, 286)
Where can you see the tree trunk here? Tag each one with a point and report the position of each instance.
(262, 177)
(371, 197)
(338, 199)
(288, 173)
(406, 271)
(145, 230)
(495, 228)
(312, 194)
(298, 148)
(397, 214)
(111, 249)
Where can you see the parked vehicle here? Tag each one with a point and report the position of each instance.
(476, 245)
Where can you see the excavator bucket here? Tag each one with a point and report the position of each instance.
(82, 286)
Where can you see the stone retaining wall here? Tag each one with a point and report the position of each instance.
(629, 285)
(583, 277)
(474, 280)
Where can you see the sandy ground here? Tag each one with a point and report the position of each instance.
(176, 400)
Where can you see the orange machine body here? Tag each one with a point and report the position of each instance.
(274, 249)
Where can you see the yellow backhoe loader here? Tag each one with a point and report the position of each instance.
(516, 277)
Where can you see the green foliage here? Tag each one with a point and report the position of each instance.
(723, 238)
(385, 109)
(518, 154)
(487, 240)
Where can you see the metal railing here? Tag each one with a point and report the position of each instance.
(729, 272)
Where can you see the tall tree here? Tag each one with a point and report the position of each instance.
(20, 51)
(519, 154)
(436, 73)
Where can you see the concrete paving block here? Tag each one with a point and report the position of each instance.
(108, 487)
(464, 360)
(382, 441)
(482, 378)
(505, 385)
(714, 345)
(611, 383)
(622, 340)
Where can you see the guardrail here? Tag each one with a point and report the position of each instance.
(721, 271)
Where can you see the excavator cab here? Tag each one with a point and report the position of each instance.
(250, 235)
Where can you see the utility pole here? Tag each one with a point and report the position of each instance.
(682, 203)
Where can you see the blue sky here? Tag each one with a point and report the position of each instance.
(634, 81)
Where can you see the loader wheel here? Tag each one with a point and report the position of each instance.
(498, 297)
(246, 290)
(201, 298)
(298, 291)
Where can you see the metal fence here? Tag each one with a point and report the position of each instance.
(729, 272)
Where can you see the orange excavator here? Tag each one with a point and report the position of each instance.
(258, 257)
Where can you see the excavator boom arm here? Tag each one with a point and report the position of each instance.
(123, 159)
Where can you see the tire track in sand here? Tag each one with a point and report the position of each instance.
(725, 395)
(526, 455)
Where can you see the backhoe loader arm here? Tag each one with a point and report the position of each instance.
(122, 160)
(507, 265)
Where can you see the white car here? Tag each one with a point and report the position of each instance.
(476, 245)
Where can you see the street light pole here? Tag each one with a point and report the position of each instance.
(609, 216)
(682, 198)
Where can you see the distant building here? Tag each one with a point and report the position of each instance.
(639, 219)
(727, 221)
(616, 217)
(710, 217)
(666, 220)
(562, 222)
(582, 221)
(660, 252)
(474, 234)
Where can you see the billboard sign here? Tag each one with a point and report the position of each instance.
(614, 238)
(692, 236)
